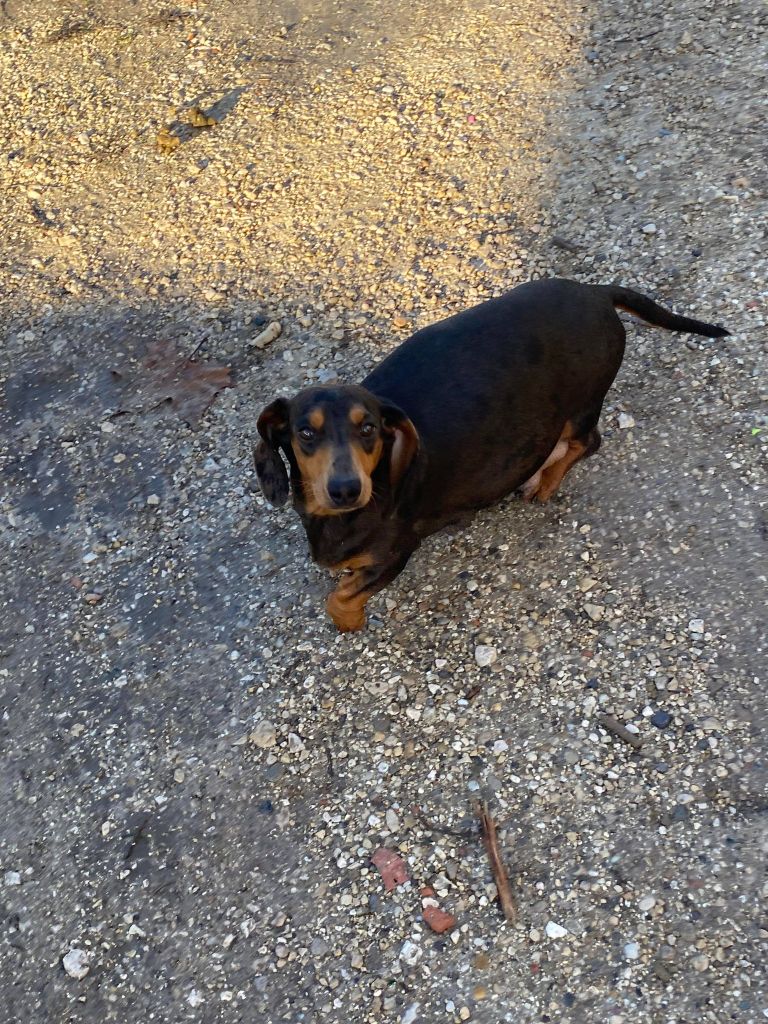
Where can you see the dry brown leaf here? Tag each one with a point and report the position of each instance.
(169, 377)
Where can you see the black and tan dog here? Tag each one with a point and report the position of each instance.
(504, 396)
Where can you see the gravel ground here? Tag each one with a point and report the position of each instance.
(197, 768)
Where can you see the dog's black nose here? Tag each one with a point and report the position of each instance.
(344, 492)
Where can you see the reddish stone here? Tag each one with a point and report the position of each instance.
(391, 866)
(439, 920)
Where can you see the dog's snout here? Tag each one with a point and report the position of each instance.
(344, 490)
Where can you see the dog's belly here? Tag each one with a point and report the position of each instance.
(466, 483)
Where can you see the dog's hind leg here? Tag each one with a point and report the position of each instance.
(577, 448)
(531, 486)
(580, 439)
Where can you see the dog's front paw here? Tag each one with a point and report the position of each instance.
(348, 617)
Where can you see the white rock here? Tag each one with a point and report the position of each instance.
(594, 611)
(295, 743)
(626, 421)
(377, 686)
(12, 878)
(268, 335)
(649, 228)
(647, 903)
(392, 820)
(194, 998)
(555, 930)
(264, 735)
(76, 963)
(631, 951)
(410, 952)
(500, 747)
(696, 626)
(410, 1014)
(485, 656)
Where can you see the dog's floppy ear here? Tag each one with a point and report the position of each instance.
(405, 445)
(270, 468)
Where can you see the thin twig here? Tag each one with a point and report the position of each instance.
(611, 724)
(500, 877)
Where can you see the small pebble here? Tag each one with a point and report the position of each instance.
(264, 735)
(76, 963)
(555, 931)
(267, 336)
(661, 719)
(485, 656)
(631, 951)
(295, 743)
(439, 920)
(410, 953)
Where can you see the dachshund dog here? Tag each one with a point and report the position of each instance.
(505, 396)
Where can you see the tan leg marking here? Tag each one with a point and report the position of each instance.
(531, 486)
(346, 606)
(552, 476)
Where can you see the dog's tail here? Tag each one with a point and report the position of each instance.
(646, 309)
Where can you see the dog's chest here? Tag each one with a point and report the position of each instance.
(347, 542)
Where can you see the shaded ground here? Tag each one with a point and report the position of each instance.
(197, 767)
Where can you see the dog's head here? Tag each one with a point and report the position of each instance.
(335, 440)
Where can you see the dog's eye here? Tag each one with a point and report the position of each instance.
(306, 434)
(367, 430)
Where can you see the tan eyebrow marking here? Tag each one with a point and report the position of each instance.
(316, 418)
(357, 414)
